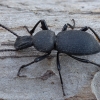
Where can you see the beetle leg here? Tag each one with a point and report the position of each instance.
(72, 27)
(66, 26)
(84, 60)
(59, 69)
(8, 50)
(43, 26)
(35, 61)
(86, 28)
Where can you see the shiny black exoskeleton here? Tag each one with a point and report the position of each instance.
(70, 42)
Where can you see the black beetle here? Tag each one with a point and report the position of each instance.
(71, 42)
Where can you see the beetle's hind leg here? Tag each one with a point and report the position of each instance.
(71, 26)
(43, 26)
(84, 60)
(86, 28)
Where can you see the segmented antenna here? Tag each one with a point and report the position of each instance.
(8, 30)
(32, 31)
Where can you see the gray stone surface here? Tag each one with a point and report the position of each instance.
(96, 85)
(42, 81)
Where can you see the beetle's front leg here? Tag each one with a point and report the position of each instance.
(35, 61)
(8, 50)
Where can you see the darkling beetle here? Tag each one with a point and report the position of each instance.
(70, 42)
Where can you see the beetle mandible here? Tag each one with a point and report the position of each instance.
(71, 42)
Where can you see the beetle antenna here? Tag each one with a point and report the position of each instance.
(32, 31)
(8, 30)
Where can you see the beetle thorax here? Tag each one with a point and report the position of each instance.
(44, 40)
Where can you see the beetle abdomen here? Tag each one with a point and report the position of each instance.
(76, 42)
(44, 40)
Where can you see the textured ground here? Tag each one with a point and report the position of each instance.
(42, 81)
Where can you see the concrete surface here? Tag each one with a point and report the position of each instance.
(42, 81)
(96, 85)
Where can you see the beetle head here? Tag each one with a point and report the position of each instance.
(23, 42)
